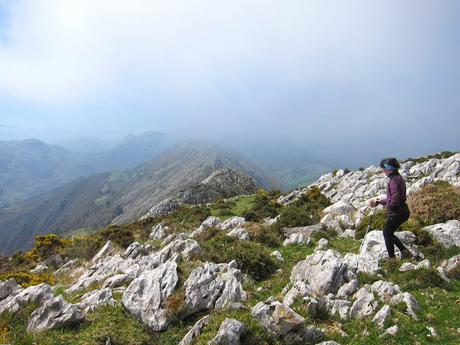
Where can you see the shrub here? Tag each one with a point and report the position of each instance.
(378, 223)
(307, 210)
(253, 258)
(48, 245)
(265, 205)
(26, 279)
(84, 247)
(435, 203)
(267, 235)
(120, 235)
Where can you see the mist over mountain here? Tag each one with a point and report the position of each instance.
(120, 196)
(29, 167)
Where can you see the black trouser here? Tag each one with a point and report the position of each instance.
(394, 220)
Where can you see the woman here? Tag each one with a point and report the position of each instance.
(395, 202)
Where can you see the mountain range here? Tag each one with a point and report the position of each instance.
(120, 196)
(48, 188)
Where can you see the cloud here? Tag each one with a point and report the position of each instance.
(64, 51)
(295, 68)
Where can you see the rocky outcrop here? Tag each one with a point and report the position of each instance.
(451, 267)
(409, 266)
(240, 233)
(229, 333)
(281, 320)
(54, 313)
(7, 288)
(96, 298)
(324, 271)
(145, 296)
(350, 191)
(214, 286)
(297, 238)
(448, 234)
(103, 252)
(20, 298)
(159, 232)
(222, 183)
(195, 331)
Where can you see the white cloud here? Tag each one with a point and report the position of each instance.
(74, 51)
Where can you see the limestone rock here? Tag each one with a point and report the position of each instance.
(411, 304)
(20, 298)
(448, 234)
(385, 290)
(97, 298)
(282, 321)
(374, 244)
(364, 304)
(159, 232)
(214, 286)
(277, 255)
(381, 316)
(134, 250)
(451, 266)
(53, 260)
(55, 313)
(297, 238)
(195, 331)
(40, 268)
(299, 289)
(393, 330)
(232, 223)
(240, 233)
(145, 296)
(324, 271)
(408, 266)
(104, 251)
(322, 244)
(230, 332)
(7, 287)
(348, 289)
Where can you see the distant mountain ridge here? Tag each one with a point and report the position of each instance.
(121, 197)
(30, 167)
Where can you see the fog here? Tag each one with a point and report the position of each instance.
(350, 80)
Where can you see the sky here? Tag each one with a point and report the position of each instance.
(347, 78)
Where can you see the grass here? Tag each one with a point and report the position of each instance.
(267, 277)
(233, 207)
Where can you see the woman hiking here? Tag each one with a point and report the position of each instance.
(398, 211)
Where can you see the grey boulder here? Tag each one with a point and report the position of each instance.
(230, 333)
(214, 286)
(20, 298)
(55, 313)
(7, 287)
(145, 296)
(324, 271)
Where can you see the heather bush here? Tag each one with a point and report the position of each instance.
(435, 203)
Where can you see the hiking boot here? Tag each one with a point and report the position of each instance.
(406, 254)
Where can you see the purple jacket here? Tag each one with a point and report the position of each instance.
(396, 192)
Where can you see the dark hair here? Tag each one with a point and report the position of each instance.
(390, 161)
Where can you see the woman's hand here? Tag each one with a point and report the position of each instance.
(374, 202)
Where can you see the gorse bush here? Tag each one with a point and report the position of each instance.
(26, 279)
(435, 203)
(307, 210)
(253, 258)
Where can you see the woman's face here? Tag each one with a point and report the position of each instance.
(387, 172)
